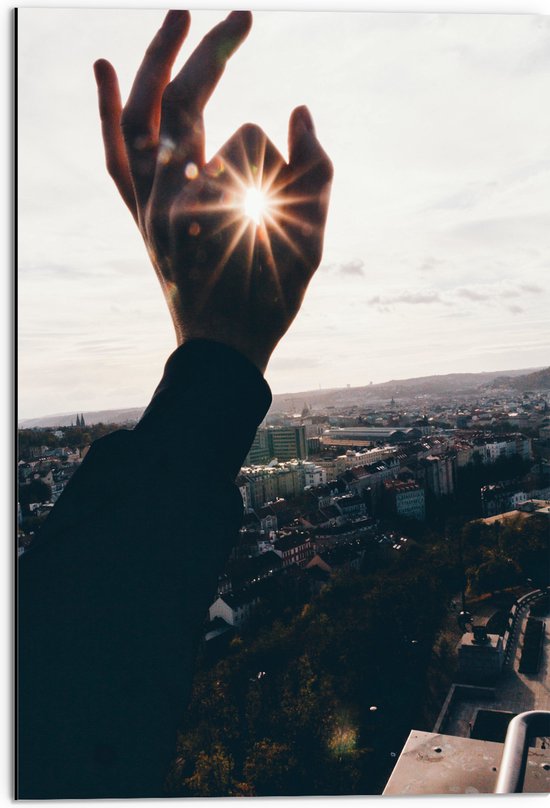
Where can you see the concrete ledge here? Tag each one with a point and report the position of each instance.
(432, 763)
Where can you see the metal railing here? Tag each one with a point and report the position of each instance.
(521, 729)
(518, 612)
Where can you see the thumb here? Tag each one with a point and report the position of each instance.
(304, 150)
(300, 131)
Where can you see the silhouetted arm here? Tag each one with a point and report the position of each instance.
(114, 592)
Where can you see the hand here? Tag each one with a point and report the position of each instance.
(226, 276)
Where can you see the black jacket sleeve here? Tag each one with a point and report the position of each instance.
(114, 590)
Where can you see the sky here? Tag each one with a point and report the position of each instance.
(437, 247)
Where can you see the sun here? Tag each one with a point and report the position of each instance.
(255, 204)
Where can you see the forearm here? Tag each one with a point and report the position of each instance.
(211, 400)
(202, 418)
(113, 596)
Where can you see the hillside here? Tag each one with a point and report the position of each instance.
(447, 384)
(539, 380)
(99, 417)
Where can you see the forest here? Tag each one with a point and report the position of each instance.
(318, 697)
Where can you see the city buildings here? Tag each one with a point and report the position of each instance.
(282, 443)
(309, 519)
(405, 499)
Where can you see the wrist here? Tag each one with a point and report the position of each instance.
(210, 396)
(256, 354)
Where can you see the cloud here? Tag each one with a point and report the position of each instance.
(472, 294)
(483, 292)
(126, 266)
(62, 271)
(466, 198)
(430, 264)
(486, 294)
(103, 346)
(531, 288)
(412, 298)
(505, 230)
(352, 268)
(537, 59)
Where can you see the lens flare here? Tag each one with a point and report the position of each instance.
(343, 740)
(252, 196)
(255, 205)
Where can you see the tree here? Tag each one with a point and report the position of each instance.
(35, 491)
(497, 573)
(269, 768)
(213, 774)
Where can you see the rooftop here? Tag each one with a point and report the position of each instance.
(294, 540)
(455, 758)
(513, 692)
(431, 763)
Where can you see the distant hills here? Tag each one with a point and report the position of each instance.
(539, 380)
(98, 417)
(452, 384)
(448, 384)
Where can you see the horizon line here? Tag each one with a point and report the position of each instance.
(534, 369)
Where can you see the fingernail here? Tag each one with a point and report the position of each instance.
(99, 68)
(174, 16)
(240, 19)
(175, 22)
(305, 117)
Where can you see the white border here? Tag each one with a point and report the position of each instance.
(6, 354)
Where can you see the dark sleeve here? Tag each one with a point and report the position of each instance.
(113, 593)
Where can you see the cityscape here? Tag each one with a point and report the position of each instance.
(385, 599)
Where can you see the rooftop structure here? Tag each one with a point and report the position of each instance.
(524, 511)
(431, 763)
(367, 435)
(466, 744)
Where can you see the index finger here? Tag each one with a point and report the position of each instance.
(186, 96)
(141, 116)
(143, 106)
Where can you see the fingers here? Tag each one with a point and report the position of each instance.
(248, 159)
(304, 150)
(310, 166)
(304, 188)
(110, 109)
(141, 117)
(220, 199)
(186, 96)
(181, 151)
